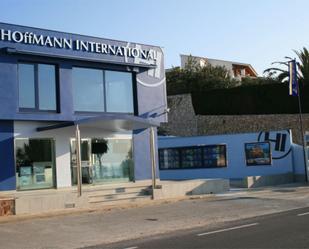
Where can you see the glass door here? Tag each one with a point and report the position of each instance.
(85, 161)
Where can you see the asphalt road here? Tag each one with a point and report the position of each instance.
(282, 230)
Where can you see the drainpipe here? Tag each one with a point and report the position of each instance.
(153, 160)
(78, 161)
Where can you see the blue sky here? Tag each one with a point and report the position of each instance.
(252, 31)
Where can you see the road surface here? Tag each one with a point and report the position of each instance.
(282, 230)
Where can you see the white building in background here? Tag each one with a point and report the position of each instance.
(237, 70)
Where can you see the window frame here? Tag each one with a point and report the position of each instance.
(36, 88)
(203, 157)
(103, 69)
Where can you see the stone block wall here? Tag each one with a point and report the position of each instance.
(182, 119)
(184, 122)
(7, 206)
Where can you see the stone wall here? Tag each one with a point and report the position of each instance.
(184, 122)
(7, 206)
(182, 119)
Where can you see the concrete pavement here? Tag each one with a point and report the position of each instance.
(80, 230)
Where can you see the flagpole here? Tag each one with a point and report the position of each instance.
(302, 134)
(302, 129)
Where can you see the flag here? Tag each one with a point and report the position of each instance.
(293, 84)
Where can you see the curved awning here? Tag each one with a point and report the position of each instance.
(108, 121)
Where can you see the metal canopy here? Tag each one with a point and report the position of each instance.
(110, 122)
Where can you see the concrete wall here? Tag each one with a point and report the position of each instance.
(282, 161)
(174, 189)
(184, 122)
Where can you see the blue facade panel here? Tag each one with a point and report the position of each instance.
(7, 167)
(142, 155)
(141, 148)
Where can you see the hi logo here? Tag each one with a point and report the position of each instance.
(280, 142)
(155, 76)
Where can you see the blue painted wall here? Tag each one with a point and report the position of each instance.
(7, 167)
(298, 159)
(142, 159)
(236, 164)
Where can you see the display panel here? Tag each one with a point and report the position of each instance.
(215, 156)
(191, 158)
(169, 159)
(206, 156)
(258, 153)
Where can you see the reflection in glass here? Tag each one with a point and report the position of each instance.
(191, 157)
(110, 160)
(47, 87)
(116, 163)
(26, 86)
(119, 92)
(207, 156)
(169, 158)
(88, 90)
(85, 161)
(34, 163)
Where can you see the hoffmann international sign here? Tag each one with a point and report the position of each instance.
(32, 38)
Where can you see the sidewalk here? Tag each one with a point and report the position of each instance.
(82, 229)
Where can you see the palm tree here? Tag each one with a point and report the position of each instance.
(302, 66)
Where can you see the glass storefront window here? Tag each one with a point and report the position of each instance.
(104, 160)
(35, 163)
(119, 92)
(26, 86)
(116, 164)
(37, 87)
(96, 90)
(47, 87)
(88, 90)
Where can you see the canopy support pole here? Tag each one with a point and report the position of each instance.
(78, 161)
(153, 159)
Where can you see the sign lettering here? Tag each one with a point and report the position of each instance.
(32, 38)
